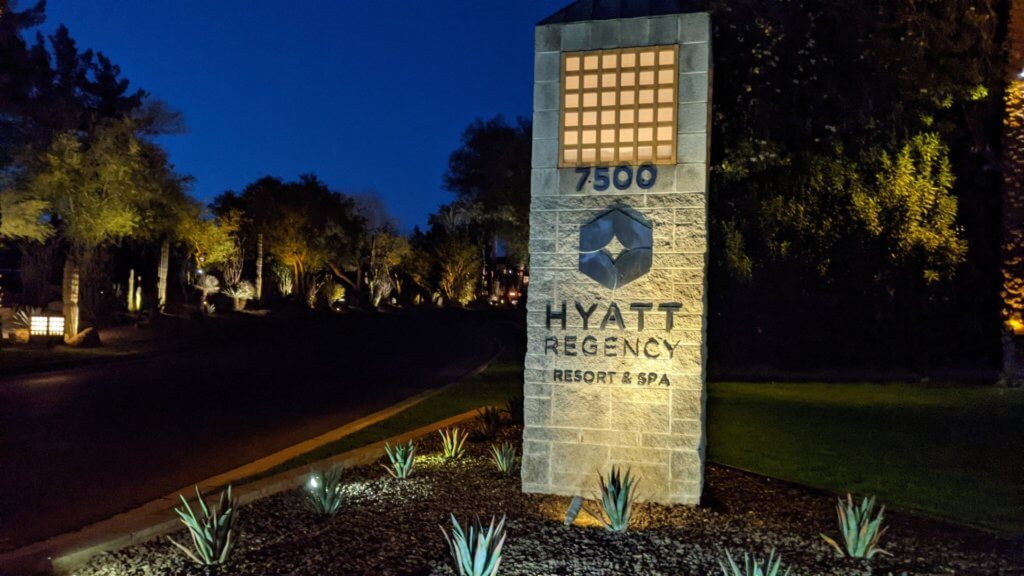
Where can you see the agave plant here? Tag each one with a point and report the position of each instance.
(212, 530)
(402, 459)
(477, 553)
(860, 533)
(616, 500)
(325, 496)
(504, 457)
(514, 409)
(453, 443)
(489, 421)
(23, 317)
(751, 567)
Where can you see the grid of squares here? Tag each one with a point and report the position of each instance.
(619, 106)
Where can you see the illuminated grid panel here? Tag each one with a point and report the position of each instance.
(619, 106)
(46, 326)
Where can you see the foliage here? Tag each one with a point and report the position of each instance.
(207, 284)
(212, 530)
(306, 227)
(23, 216)
(491, 172)
(821, 194)
(453, 443)
(23, 316)
(99, 187)
(504, 457)
(515, 409)
(458, 264)
(751, 567)
(240, 293)
(402, 459)
(489, 421)
(387, 251)
(324, 494)
(283, 278)
(616, 500)
(477, 553)
(211, 240)
(244, 290)
(859, 531)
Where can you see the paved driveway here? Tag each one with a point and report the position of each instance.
(80, 445)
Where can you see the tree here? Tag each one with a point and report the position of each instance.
(211, 240)
(98, 190)
(810, 100)
(305, 226)
(490, 177)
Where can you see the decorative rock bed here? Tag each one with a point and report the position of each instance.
(390, 527)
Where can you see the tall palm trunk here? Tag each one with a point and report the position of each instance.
(259, 268)
(161, 274)
(70, 296)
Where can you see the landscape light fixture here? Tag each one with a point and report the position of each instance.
(46, 326)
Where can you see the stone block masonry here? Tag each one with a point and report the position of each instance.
(616, 375)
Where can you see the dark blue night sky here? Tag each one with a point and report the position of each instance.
(370, 95)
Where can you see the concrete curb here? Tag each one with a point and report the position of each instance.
(64, 552)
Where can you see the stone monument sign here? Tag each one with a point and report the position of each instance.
(615, 361)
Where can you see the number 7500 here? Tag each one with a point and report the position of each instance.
(621, 177)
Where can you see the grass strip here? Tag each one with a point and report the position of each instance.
(495, 385)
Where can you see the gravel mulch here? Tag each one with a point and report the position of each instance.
(390, 527)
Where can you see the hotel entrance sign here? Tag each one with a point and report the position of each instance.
(615, 363)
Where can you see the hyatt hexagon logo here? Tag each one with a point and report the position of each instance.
(616, 247)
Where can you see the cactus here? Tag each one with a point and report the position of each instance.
(489, 421)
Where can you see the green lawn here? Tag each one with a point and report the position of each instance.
(953, 452)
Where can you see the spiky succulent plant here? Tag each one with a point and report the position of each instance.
(402, 458)
(324, 494)
(489, 421)
(453, 443)
(504, 456)
(514, 409)
(859, 531)
(477, 553)
(751, 566)
(615, 500)
(212, 530)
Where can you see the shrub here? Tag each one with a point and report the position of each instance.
(504, 457)
(751, 567)
(514, 409)
(477, 553)
(453, 443)
(23, 317)
(212, 531)
(616, 500)
(240, 293)
(489, 422)
(402, 459)
(207, 284)
(325, 496)
(860, 533)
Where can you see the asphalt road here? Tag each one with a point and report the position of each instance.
(79, 445)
